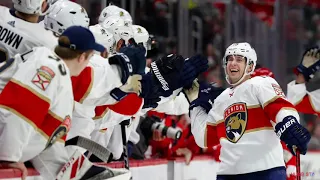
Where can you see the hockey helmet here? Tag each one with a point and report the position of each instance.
(242, 49)
(32, 6)
(113, 10)
(65, 14)
(104, 37)
(141, 36)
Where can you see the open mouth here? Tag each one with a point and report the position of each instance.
(234, 70)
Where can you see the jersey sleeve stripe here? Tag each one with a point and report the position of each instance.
(88, 89)
(306, 106)
(30, 106)
(270, 101)
(273, 108)
(211, 135)
(100, 111)
(129, 106)
(82, 84)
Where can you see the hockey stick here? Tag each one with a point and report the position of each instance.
(298, 165)
(95, 148)
(123, 125)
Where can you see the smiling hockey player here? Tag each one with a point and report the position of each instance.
(246, 119)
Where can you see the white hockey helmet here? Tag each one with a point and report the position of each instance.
(243, 49)
(112, 22)
(110, 10)
(32, 6)
(141, 35)
(65, 14)
(104, 37)
(125, 15)
(122, 32)
(113, 10)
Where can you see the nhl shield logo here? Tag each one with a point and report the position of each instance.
(235, 119)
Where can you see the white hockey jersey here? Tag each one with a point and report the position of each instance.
(242, 120)
(39, 95)
(305, 102)
(19, 36)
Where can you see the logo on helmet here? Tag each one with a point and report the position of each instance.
(83, 10)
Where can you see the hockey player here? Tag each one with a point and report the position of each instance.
(64, 14)
(107, 116)
(246, 119)
(20, 28)
(37, 103)
(306, 102)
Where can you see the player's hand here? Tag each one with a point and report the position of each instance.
(133, 85)
(310, 63)
(291, 132)
(202, 94)
(192, 68)
(16, 165)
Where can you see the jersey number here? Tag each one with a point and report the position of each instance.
(61, 67)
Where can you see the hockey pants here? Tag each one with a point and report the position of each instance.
(278, 173)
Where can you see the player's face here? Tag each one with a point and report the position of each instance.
(120, 43)
(44, 6)
(235, 67)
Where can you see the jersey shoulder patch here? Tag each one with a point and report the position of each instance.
(43, 77)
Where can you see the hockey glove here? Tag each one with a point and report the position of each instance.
(133, 85)
(291, 132)
(151, 91)
(166, 72)
(202, 95)
(310, 63)
(124, 64)
(192, 68)
(136, 54)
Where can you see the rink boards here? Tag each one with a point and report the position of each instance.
(201, 168)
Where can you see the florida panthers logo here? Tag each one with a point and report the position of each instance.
(235, 117)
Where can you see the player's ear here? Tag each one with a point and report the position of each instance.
(250, 67)
(82, 57)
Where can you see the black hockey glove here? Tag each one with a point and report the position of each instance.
(293, 134)
(162, 79)
(125, 65)
(136, 54)
(202, 94)
(192, 68)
